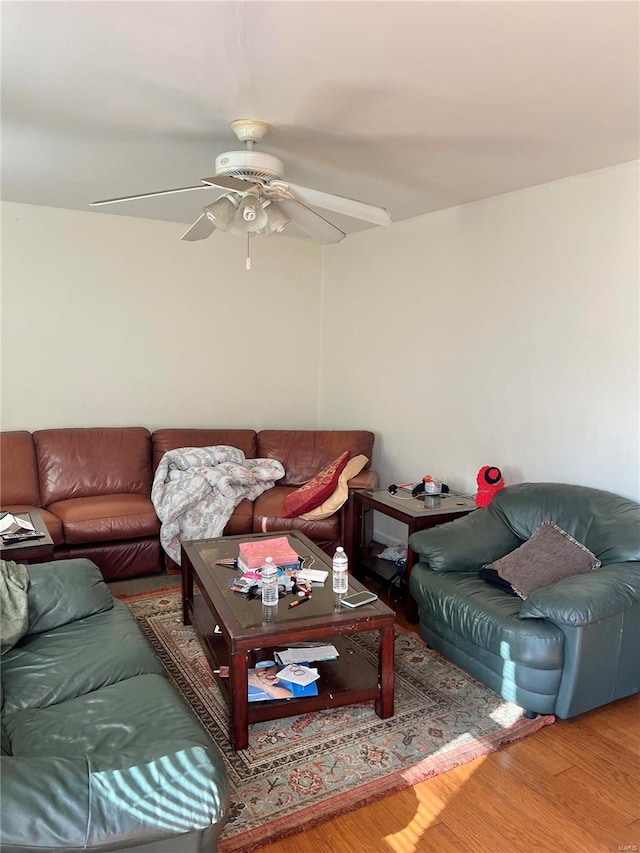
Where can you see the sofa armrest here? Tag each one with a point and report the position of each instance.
(465, 544)
(584, 599)
(364, 480)
(95, 801)
(31, 817)
(63, 591)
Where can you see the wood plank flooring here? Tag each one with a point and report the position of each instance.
(573, 786)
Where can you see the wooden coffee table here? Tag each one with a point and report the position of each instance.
(237, 632)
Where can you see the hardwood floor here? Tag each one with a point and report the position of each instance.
(573, 786)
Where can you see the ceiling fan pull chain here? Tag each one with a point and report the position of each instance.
(248, 264)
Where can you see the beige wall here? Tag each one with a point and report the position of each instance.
(110, 320)
(503, 332)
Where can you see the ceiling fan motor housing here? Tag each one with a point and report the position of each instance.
(249, 165)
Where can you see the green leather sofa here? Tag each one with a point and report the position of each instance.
(99, 752)
(572, 645)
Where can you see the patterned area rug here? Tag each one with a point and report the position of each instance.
(300, 771)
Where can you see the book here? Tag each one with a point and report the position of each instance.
(286, 567)
(264, 684)
(251, 555)
(11, 524)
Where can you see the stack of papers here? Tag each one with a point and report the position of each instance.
(307, 654)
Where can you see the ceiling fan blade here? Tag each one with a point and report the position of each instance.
(224, 182)
(310, 222)
(149, 195)
(200, 229)
(227, 182)
(342, 204)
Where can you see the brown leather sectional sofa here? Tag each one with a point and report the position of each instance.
(93, 486)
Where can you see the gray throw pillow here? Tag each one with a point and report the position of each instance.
(549, 555)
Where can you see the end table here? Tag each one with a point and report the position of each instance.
(417, 513)
(32, 550)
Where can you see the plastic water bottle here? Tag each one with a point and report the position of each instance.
(269, 582)
(340, 571)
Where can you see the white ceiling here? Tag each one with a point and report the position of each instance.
(415, 106)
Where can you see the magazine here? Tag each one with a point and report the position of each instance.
(264, 684)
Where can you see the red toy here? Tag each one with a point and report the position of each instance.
(489, 482)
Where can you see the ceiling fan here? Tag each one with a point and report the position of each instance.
(258, 201)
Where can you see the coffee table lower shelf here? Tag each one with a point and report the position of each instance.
(349, 679)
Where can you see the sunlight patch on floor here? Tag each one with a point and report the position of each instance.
(431, 803)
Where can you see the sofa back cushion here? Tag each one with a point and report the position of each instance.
(305, 452)
(65, 591)
(19, 482)
(603, 522)
(171, 439)
(80, 463)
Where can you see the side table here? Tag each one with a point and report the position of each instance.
(32, 550)
(417, 513)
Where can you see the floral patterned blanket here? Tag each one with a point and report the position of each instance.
(196, 489)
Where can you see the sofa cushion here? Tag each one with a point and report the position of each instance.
(339, 497)
(171, 439)
(317, 490)
(51, 605)
(75, 659)
(106, 517)
(241, 520)
(122, 767)
(19, 483)
(267, 518)
(124, 715)
(54, 526)
(75, 463)
(305, 452)
(487, 618)
(548, 556)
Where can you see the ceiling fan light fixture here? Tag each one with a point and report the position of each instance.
(250, 216)
(277, 220)
(222, 211)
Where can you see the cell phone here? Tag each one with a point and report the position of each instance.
(358, 599)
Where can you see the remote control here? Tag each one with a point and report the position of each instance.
(12, 538)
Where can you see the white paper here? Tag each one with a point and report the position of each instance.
(307, 654)
(297, 674)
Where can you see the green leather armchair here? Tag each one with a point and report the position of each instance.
(570, 646)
